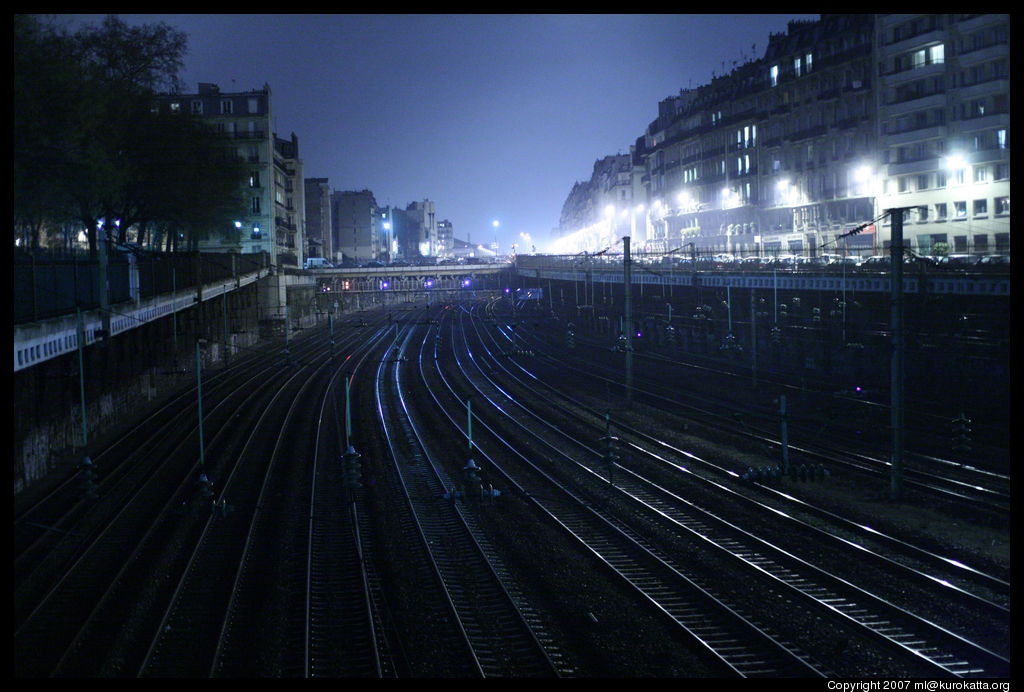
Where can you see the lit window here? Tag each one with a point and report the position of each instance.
(1001, 138)
(796, 65)
(175, 107)
(807, 62)
(980, 174)
(1002, 205)
(960, 209)
(773, 75)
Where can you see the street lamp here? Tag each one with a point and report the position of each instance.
(632, 222)
(609, 211)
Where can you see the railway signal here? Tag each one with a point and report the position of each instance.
(610, 458)
(729, 344)
(88, 473)
(962, 433)
(205, 488)
(352, 468)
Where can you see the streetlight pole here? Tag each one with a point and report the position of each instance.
(81, 377)
(627, 280)
(896, 368)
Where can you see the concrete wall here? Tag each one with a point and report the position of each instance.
(124, 378)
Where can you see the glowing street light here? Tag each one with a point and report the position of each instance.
(955, 162)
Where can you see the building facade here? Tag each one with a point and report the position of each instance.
(599, 211)
(773, 156)
(319, 239)
(944, 128)
(289, 203)
(840, 119)
(424, 215)
(445, 238)
(244, 117)
(355, 226)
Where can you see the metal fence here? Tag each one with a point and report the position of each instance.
(50, 284)
(53, 283)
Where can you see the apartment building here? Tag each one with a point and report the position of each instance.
(423, 215)
(355, 228)
(599, 211)
(318, 218)
(445, 238)
(839, 120)
(272, 217)
(289, 203)
(944, 128)
(773, 156)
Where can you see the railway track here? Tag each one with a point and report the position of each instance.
(839, 596)
(90, 620)
(738, 646)
(978, 489)
(495, 638)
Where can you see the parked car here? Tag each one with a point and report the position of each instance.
(840, 262)
(955, 262)
(994, 263)
(781, 262)
(317, 263)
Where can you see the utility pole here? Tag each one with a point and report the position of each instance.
(199, 400)
(174, 312)
(104, 291)
(627, 280)
(81, 378)
(896, 368)
(227, 333)
(753, 336)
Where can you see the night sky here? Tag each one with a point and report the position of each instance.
(490, 116)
